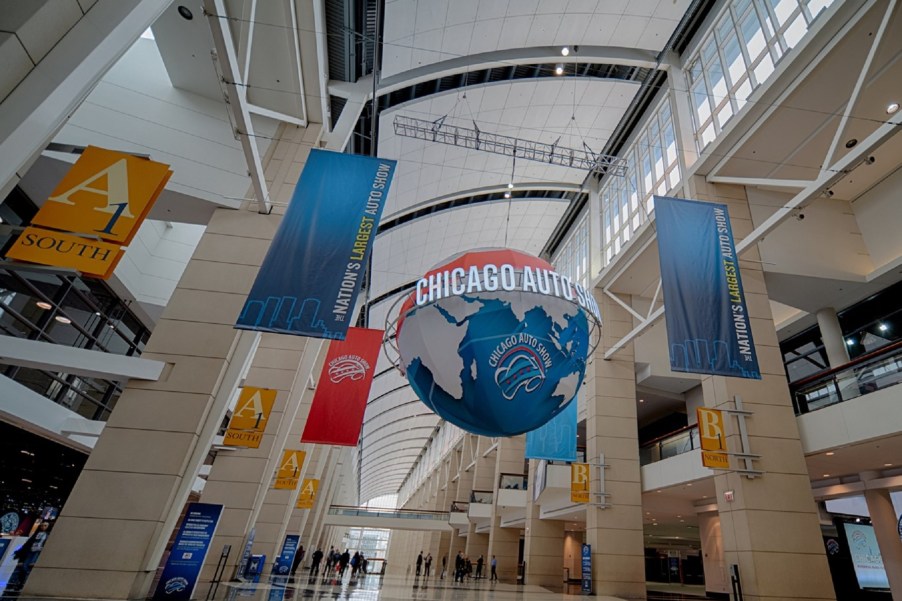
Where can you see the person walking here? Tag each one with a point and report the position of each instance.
(427, 563)
(494, 568)
(314, 567)
(355, 565)
(419, 564)
(459, 567)
(343, 562)
(444, 566)
(479, 564)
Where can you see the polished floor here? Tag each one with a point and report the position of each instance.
(392, 588)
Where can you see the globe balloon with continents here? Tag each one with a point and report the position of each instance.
(496, 341)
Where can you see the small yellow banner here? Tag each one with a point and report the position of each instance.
(579, 482)
(250, 417)
(289, 472)
(106, 194)
(716, 460)
(710, 429)
(46, 247)
(308, 493)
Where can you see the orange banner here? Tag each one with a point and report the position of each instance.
(308, 493)
(289, 473)
(250, 417)
(46, 247)
(106, 194)
(579, 482)
(710, 429)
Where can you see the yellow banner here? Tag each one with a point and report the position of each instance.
(710, 429)
(46, 247)
(579, 482)
(715, 460)
(106, 194)
(308, 493)
(289, 472)
(250, 417)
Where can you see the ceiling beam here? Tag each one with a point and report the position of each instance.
(236, 99)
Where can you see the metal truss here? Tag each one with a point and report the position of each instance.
(476, 139)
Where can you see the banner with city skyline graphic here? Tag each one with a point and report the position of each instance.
(708, 325)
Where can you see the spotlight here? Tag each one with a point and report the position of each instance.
(62, 319)
(510, 186)
(186, 13)
(565, 51)
(43, 305)
(850, 341)
(883, 327)
(891, 108)
(559, 69)
(507, 194)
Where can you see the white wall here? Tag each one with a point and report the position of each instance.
(156, 259)
(879, 214)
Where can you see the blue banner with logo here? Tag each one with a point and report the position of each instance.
(708, 326)
(586, 565)
(311, 275)
(556, 440)
(282, 565)
(188, 552)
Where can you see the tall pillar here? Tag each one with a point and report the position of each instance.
(771, 528)
(886, 529)
(615, 532)
(831, 334)
(543, 549)
(483, 480)
(716, 576)
(504, 543)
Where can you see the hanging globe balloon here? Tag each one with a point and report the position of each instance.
(495, 341)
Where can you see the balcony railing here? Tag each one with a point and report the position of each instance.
(868, 373)
(406, 514)
(512, 482)
(670, 445)
(486, 497)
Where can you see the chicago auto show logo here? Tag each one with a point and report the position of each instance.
(175, 585)
(520, 362)
(352, 367)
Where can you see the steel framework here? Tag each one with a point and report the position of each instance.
(476, 139)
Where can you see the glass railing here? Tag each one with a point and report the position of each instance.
(406, 514)
(868, 373)
(484, 497)
(671, 445)
(512, 482)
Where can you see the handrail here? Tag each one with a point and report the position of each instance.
(384, 509)
(883, 350)
(668, 435)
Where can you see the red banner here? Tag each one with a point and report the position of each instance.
(336, 414)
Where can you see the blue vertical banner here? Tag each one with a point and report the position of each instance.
(556, 440)
(311, 275)
(188, 552)
(282, 565)
(586, 567)
(708, 326)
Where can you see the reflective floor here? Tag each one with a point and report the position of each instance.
(391, 588)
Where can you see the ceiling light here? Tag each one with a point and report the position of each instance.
(641, 400)
(510, 186)
(891, 108)
(186, 13)
(62, 319)
(565, 51)
(682, 521)
(857, 520)
(883, 327)
(559, 69)
(826, 475)
(850, 341)
(43, 305)
(887, 465)
(829, 453)
(507, 194)
(690, 484)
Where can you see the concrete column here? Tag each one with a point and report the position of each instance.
(717, 578)
(483, 480)
(504, 543)
(885, 522)
(615, 532)
(771, 528)
(831, 334)
(543, 550)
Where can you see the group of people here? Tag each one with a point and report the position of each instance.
(337, 563)
(463, 567)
